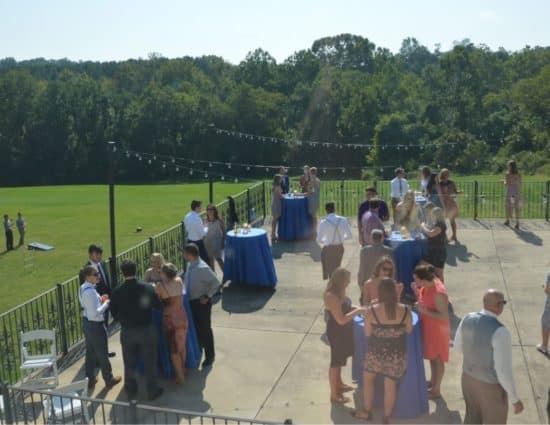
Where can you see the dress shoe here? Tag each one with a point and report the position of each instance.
(112, 354)
(114, 381)
(156, 394)
(207, 363)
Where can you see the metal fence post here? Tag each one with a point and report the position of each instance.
(183, 239)
(133, 416)
(248, 205)
(263, 200)
(342, 209)
(211, 190)
(62, 321)
(547, 212)
(151, 245)
(476, 198)
(375, 184)
(6, 415)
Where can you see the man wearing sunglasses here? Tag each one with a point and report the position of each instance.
(487, 374)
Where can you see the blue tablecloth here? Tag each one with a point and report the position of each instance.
(412, 392)
(248, 259)
(295, 222)
(163, 353)
(407, 253)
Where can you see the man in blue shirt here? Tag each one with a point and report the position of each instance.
(95, 332)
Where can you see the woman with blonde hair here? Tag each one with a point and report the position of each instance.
(448, 191)
(407, 213)
(152, 274)
(436, 254)
(384, 268)
(174, 319)
(339, 331)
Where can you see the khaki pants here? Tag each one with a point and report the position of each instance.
(485, 403)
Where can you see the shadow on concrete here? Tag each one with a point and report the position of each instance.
(307, 247)
(458, 252)
(529, 237)
(242, 299)
(441, 415)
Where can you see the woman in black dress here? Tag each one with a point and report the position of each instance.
(387, 325)
(437, 241)
(339, 331)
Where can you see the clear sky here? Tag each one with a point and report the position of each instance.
(121, 29)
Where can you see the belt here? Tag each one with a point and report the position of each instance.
(92, 321)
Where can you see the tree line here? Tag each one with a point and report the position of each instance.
(470, 108)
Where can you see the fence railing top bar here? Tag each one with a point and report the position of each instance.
(35, 298)
(132, 248)
(164, 232)
(205, 415)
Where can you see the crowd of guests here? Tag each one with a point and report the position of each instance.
(309, 186)
(132, 304)
(484, 342)
(8, 230)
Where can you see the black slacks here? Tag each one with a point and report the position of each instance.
(95, 336)
(139, 342)
(9, 240)
(202, 316)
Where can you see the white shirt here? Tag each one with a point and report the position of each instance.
(333, 230)
(502, 356)
(91, 303)
(399, 186)
(194, 226)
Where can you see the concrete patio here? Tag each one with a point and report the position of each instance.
(272, 365)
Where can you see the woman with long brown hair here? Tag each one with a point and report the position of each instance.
(339, 331)
(387, 325)
(215, 236)
(384, 268)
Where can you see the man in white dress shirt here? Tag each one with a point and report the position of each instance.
(487, 374)
(399, 186)
(195, 229)
(95, 331)
(332, 232)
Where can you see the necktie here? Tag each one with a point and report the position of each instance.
(102, 272)
(400, 188)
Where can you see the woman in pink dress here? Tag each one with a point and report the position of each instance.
(434, 318)
(512, 180)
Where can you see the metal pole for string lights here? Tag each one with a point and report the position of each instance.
(111, 147)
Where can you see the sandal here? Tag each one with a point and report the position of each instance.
(363, 415)
(340, 400)
(346, 388)
(433, 396)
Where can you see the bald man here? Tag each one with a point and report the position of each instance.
(487, 375)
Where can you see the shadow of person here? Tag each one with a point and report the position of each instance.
(240, 298)
(297, 247)
(280, 248)
(529, 237)
(442, 414)
(458, 252)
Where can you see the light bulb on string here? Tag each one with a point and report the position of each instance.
(173, 160)
(140, 158)
(236, 180)
(229, 166)
(137, 155)
(154, 157)
(324, 170)
(205, 175)
(164, 165)
(149, 162)
(223, 178)
(127, 154)
(248, 168)
(190, 172)
(343, 170)
(266, 170)
(177, 169)
(210, 164)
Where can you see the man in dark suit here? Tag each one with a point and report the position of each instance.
(103, 287)
(132, 305)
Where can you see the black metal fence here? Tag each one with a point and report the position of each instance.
(476, 199)
(58, 308)
(30, 406)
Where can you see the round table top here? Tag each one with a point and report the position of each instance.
(289, 197)
(396, 236)
(252, 233)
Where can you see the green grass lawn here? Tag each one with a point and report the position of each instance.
(72, 217)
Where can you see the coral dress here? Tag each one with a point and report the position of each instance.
(436, 333)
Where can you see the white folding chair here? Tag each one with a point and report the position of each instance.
(67, 409)
(34, 365)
